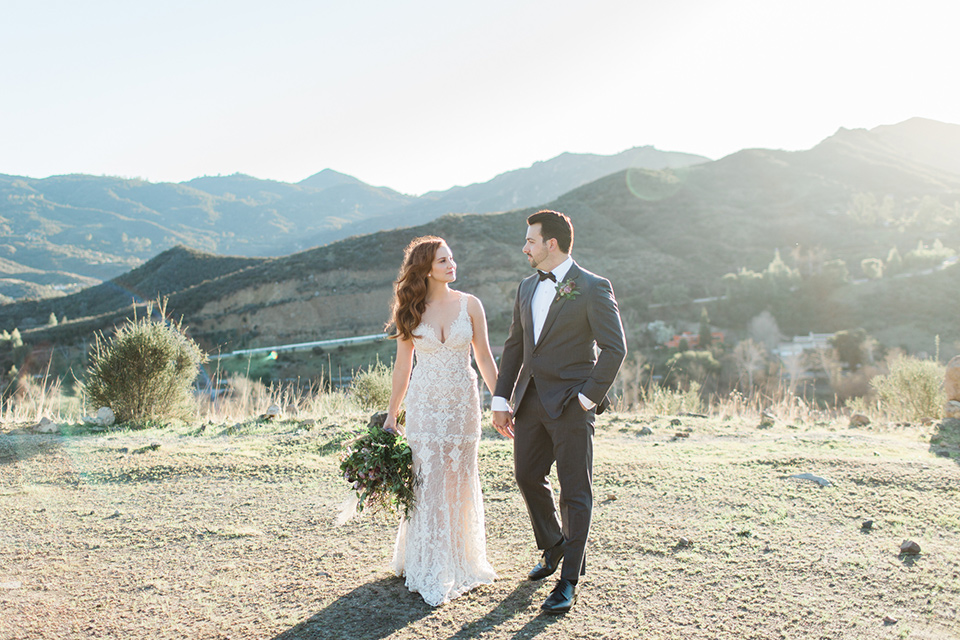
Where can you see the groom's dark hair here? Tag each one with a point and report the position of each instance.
(554, 225)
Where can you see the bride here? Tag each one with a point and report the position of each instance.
(441, 547)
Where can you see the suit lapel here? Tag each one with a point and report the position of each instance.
(527, 308)
(557, 305)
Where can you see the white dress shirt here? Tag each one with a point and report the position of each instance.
(543, 297)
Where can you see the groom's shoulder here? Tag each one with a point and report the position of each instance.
(591, 276)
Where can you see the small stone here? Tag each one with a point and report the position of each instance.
(611, 497)
(681, 434)
(105, 417)
(866, 525)
(859, 420)
(675, 422)
(646, 431)
(46, 425)
(684, 543)
(889, 620)
(115, 514)
(823, 482)
(910, 548)
(952, 410)
(273, 412)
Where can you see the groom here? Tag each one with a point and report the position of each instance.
(558, 383)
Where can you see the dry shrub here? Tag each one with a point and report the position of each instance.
(371, 388)
(33, 399)
(778, 401)
(243, 399)
(145, 371)
(912, 390)
(856, 384)
(663, 401)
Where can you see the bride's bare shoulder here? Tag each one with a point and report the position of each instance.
(473, 303)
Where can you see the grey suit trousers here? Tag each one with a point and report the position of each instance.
(539, 441)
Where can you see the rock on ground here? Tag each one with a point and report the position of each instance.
(951, 382)
(859, 420)
(952, 410)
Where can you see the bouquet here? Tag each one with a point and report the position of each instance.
(379, 465)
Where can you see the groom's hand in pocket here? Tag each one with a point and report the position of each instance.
(503, 423)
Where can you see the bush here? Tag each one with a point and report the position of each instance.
(913, 389)
(371, 388)
(666, 402)
(145, 371)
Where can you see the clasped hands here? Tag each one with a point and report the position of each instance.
(503, 423)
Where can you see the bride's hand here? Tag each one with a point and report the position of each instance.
(503, 423)
(390, 425)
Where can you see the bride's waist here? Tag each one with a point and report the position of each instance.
(452, 376)
(459, 366)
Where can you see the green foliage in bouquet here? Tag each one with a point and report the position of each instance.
(379, 465)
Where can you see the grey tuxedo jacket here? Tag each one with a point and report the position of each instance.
(564, 362)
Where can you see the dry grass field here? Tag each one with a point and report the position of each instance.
(229, 531)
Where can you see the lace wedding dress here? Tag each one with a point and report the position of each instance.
(441, 547)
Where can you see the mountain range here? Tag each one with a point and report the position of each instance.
(60, 234)
(670, 234)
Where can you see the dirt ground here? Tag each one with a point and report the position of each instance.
(230, 532)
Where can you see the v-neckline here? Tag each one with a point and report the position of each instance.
(450, 330)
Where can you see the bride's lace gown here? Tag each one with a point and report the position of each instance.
(441, 548)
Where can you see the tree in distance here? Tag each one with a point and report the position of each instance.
(706, 337)
(872, 268)
(145, 371)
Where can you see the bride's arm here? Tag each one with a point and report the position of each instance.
(481, 343)
(402, 367)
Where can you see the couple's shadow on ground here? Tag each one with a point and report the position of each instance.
(378, 609)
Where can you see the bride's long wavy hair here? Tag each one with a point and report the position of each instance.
(410, 289)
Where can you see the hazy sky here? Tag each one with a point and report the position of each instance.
(423, 95)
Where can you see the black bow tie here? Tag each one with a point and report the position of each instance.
(546, 275)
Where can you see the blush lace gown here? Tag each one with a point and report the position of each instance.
(441, 547)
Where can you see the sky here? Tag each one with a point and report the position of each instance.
(424, 95)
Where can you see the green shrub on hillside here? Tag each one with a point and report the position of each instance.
(913, 389)
(928, 256)
(145, 371)
(872, 268)
(371, 388)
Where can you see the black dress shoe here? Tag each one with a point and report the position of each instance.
(548, 563)
(563, 596)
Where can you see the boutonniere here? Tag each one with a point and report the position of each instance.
(566, 289)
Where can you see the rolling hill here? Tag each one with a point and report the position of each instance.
(664, 238)
(85, 229)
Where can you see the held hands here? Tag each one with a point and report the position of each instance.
(503, 423)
